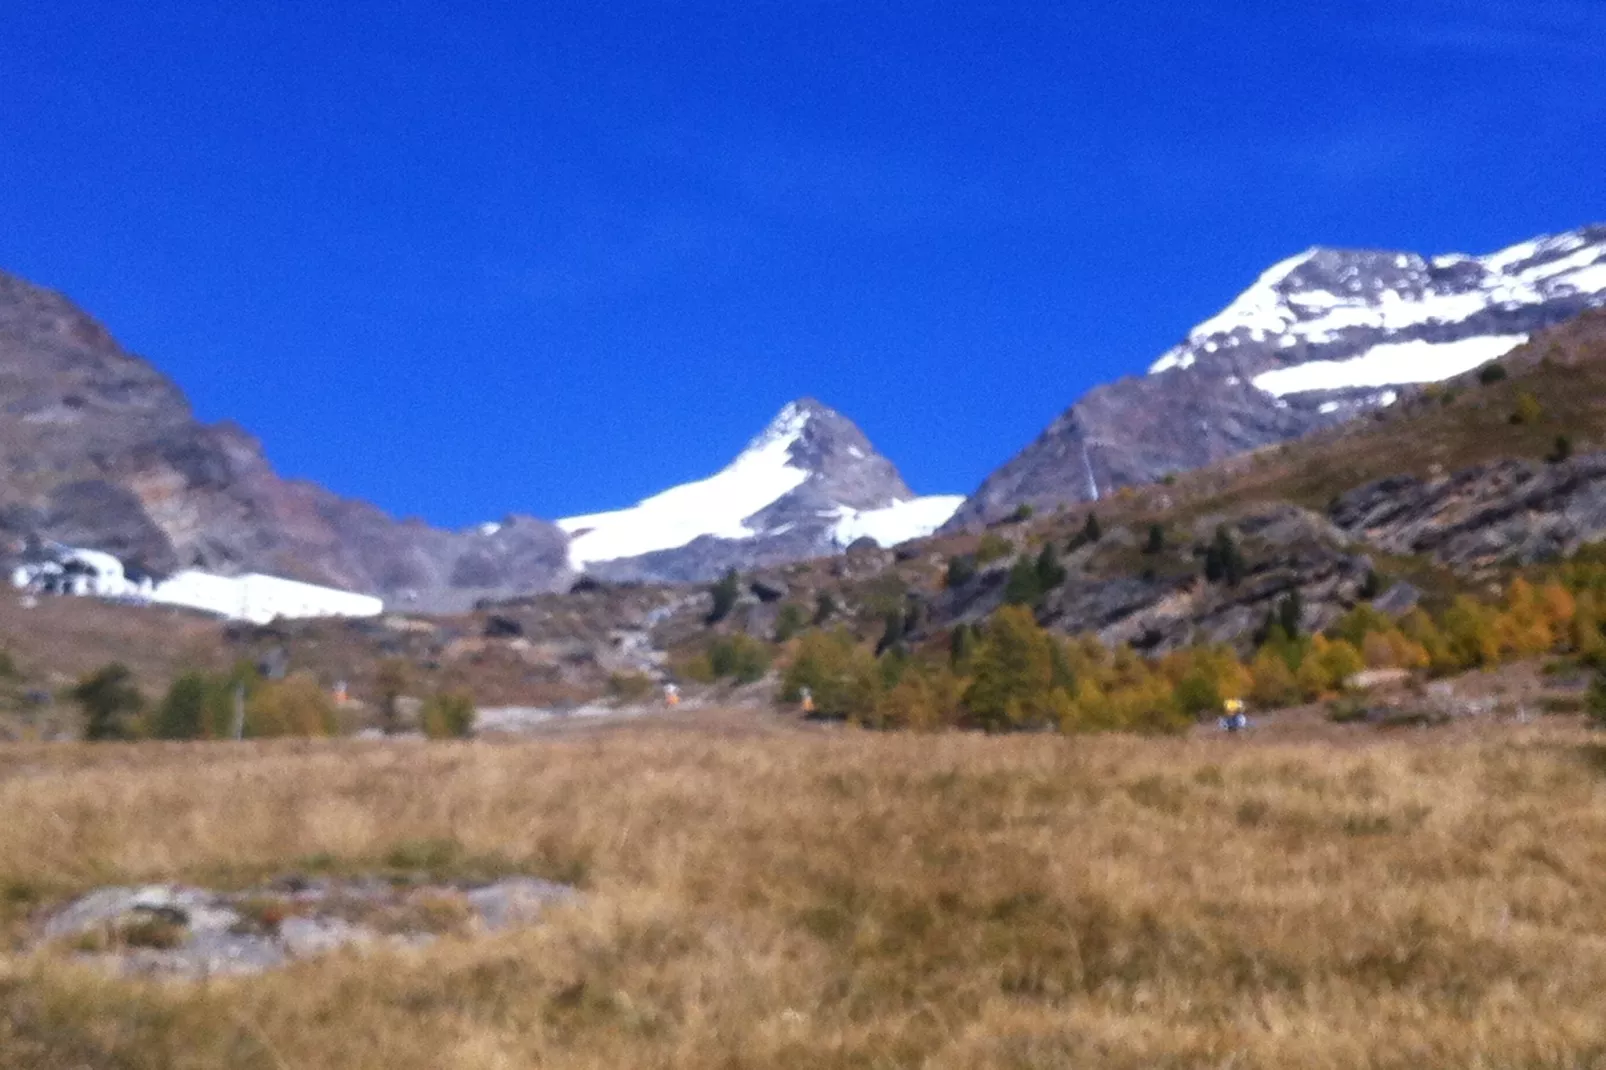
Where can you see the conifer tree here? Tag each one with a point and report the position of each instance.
(109, 700)
(724, 593)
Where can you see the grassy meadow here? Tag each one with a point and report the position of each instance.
(848, 899)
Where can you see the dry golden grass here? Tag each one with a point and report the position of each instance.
(854, 900)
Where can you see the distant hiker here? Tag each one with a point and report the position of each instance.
(671, 695)
(1235, 720)
(807, 698)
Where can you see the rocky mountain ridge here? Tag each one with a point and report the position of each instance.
(1318, 339)
(99, 449)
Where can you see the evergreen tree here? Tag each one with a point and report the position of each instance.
(961, 645)
(961, 570)
(1050, 573)
(1092, 531)
(1024, 588)
(913, 615)
(109, 700)
(1562, 450)
(892, 631)
(1370, 587)
(1291, 613)
(183, 712)
(825, 607)
(724, 593)
(1156, 542)
(1224, 562)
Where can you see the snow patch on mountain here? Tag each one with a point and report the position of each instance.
(1390, 364)
(718, 506)
(898, 522)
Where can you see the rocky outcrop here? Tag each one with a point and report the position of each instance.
(98, 449)
(1508, 512)
(1164, 602)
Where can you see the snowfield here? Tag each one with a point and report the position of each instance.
(1391, 364)
(717, 506)
(898, 522)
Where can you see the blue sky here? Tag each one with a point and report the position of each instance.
(550, 258)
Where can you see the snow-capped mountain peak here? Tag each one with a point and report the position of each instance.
(807, 484)
(1338, 319)
(1317, 339)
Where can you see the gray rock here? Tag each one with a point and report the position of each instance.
(516, 901)
(1398, 600)
(215, 939)
(1506, 512)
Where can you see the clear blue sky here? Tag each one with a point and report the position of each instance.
(551, 257)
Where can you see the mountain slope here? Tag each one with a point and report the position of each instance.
(809, 484)
(99, 449)
(1318, 339)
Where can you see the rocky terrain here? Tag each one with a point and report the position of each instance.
(1511, 512)
(195, 933)
(100, 449)
(1317, 340)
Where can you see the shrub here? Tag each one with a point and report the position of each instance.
(1013, 673)
(739, 657)
(449, 715)
(1561, 451)
(630, 686)
(1274, 683)
(992, 548)
(789, 621)
(392, 680)
(8, 666)
(724, 595)
(294, 706)
(1595, 700)
(110, 702)
(1528, 410)
(839, 673)
(922, 700)
(1491, 373)
(825, 607)
(183, 713)
(1155, 544)
(1023, 512)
